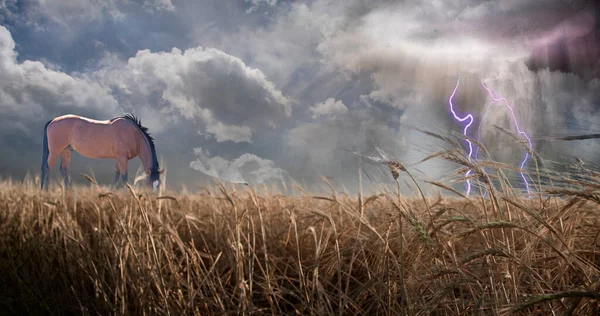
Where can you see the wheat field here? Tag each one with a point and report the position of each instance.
(223, 250)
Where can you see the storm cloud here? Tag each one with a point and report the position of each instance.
(260, 91)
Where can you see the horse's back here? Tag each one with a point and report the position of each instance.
(91, 138)
(78, 118)
(61, 127)
(70, 124)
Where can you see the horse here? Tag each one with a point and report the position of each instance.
(121, 138)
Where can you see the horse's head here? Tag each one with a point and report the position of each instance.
(153, 179)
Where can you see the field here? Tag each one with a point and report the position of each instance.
(221, 251)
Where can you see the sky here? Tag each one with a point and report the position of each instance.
(272, 91)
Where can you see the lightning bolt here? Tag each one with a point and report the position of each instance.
(496, 98)
(465, 129)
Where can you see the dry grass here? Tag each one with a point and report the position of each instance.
(221, 252)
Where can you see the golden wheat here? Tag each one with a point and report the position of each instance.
(90, 251)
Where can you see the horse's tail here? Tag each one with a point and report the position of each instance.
(45, 153)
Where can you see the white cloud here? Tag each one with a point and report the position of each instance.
(255, 4)
(222, 132)
(247, 168)
(159, 5)
(207, 84)
(329, 108)
(30, 91)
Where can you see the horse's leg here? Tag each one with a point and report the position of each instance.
(44, 176)
(52, 157)
(117, 175)
(65, 159)
(122, 165)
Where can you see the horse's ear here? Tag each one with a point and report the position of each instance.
(148, 172)
(161, 171)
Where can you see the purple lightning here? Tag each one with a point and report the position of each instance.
(466, 128)
(494, 96)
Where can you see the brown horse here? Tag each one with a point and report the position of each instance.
(120, 138)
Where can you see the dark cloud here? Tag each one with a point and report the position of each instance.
(571, 47)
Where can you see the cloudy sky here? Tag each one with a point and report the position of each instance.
(262, 91)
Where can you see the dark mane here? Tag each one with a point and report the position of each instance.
(130, 117)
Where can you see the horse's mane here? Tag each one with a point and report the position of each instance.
(132, 118)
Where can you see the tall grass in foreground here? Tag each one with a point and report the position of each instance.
(222, 251)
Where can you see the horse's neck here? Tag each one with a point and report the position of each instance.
(145, 153)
